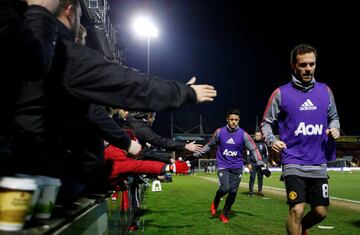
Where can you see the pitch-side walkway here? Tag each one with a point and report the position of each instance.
(349, 204)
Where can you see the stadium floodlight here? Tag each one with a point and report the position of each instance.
(143, 26)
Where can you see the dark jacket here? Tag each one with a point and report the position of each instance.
(263, 150)
(80, 76)
(84, 146)
(27, 40)
(146, 135)
(27, 45)
(107, 127)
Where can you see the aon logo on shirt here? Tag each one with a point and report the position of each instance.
(230, 153)
(309, 129)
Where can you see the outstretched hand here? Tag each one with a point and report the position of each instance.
(204, 93)
(192, 147)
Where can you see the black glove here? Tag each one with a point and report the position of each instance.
(265, 171)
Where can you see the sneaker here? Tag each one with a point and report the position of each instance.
(250, 195)
(213, 208)
(133, 228)
(224, 219)
(260, 194)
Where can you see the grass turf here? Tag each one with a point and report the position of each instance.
(182, 207)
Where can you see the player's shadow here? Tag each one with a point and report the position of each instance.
(356, 223)
(232, 214)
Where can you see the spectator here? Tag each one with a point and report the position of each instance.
(181, 167)
(50, 114)
(141, 122)
(27, 31)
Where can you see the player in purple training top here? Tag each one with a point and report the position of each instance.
(230, 141)
(308, 123)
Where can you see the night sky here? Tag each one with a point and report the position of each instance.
(243, 49)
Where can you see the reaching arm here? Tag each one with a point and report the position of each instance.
(111, 131)
(107, 127)
(207, 147)
(97, 80)
(145, 134)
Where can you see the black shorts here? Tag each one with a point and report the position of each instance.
(314, 191)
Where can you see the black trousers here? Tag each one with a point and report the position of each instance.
(256, 170)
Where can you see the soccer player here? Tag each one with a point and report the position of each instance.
(230, 141)
(308, 124)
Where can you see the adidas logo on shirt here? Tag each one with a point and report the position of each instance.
(230, 141)
(307, 105)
